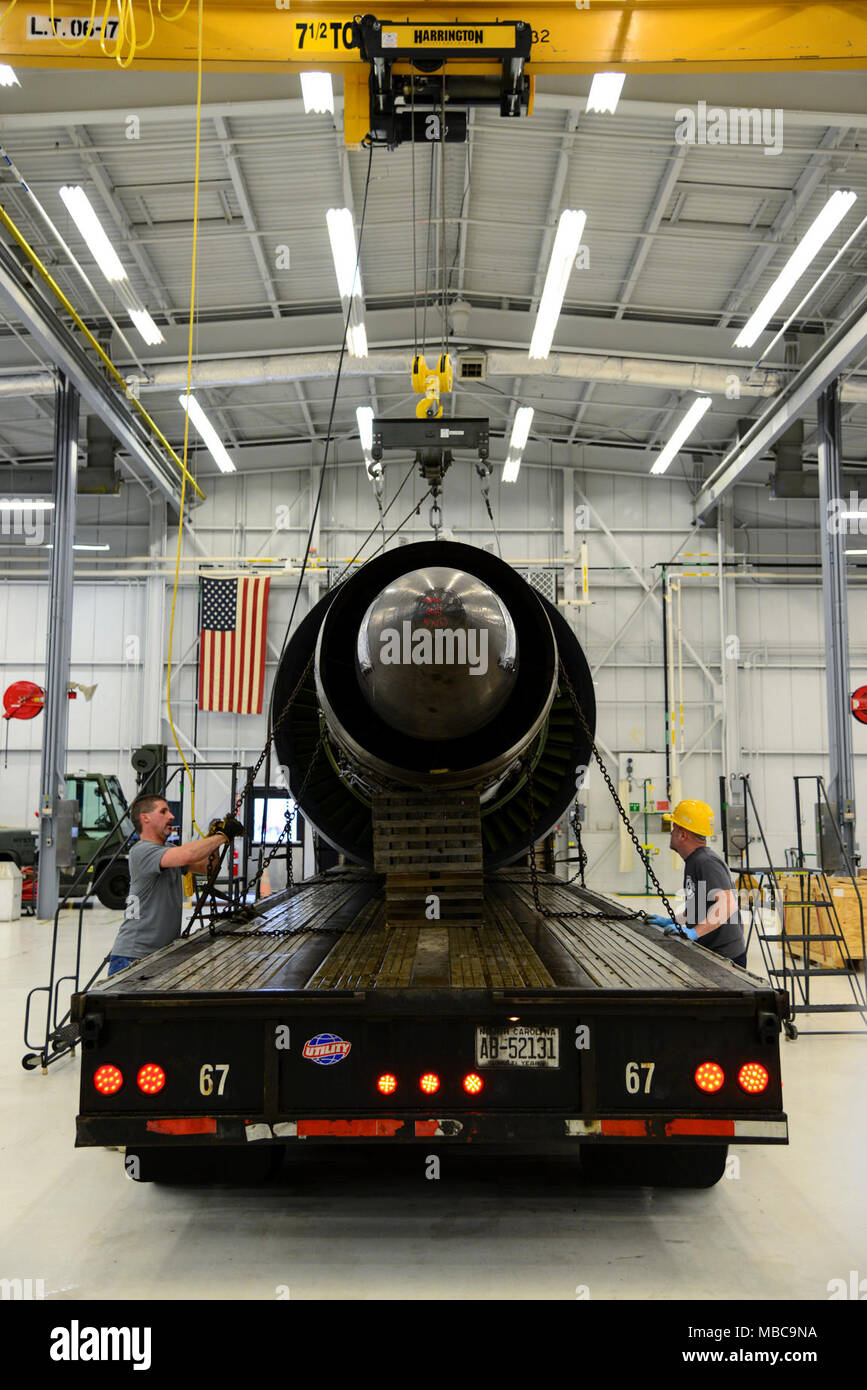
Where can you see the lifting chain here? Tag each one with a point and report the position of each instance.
(616, 799)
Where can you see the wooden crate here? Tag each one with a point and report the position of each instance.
(819, 921)
(429, 844)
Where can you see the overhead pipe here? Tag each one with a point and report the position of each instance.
(281, 368)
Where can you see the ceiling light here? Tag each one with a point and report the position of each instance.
(356, 340)
(25, 504)
(146, 326)
(605, 91)
(520, 435)
(856, 552)
(7, 76)
(78, 546)
(682, 433)
(563, 253)
(364, 416)
(341, 232)
(317, 91)
(93, 232)
(208, 433)
(807, 249)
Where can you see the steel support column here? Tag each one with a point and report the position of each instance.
(154, 643)
(841, 785)
(729, 654)
(52, 785)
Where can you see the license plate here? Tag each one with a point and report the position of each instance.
(517, 1047)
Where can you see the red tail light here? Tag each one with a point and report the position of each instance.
(151, 1078)
(107, 1079)
(387, 1084)
(429, 1083)
(473, 1083)
(709, 1076)
(752, 1077)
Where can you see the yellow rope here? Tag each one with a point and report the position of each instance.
(187, 416)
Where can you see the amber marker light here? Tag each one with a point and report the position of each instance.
(386, 1084)
(151, 1078)
(473, 1083)
(752, 1077)
(429, 1083)
(107, 1079)
(709, 1076)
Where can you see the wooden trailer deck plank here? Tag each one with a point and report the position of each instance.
(332, 934)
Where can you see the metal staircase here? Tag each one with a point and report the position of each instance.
(789, 969)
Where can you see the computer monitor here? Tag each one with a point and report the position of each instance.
(267, 816)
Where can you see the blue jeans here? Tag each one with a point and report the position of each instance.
(116, 963)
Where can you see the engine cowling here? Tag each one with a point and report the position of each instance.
(435, 665)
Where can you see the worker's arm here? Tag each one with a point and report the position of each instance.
(193, 854)
(724, 906)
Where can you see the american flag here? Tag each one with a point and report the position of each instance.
(232, 644)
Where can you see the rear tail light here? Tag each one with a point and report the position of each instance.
(473, 1083)
(429, 1083)
(387, 1084)
(709, 1076)
(151, 1078)
(107, 1079)
(752, 1077)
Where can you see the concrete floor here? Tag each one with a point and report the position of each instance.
(348, 1226)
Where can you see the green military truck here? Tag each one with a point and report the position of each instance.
(105, 825)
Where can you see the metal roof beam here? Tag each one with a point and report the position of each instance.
(660, 202)
(58, 343)
(823, 368)
(805, 187)
(99, 175)
(242, 194)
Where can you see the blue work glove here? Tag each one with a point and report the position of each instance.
(659, 921)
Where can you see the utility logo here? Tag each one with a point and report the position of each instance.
(325, 1049)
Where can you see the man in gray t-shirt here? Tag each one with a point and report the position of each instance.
(156, 892)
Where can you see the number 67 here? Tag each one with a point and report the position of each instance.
(633, 1076)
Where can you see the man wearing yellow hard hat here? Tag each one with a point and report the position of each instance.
(710, 912)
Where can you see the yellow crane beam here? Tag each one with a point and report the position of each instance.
(569, 36)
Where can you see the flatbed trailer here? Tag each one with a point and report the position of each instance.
(575, 1025)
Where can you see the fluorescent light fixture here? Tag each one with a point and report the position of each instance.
(605, 91)
(317, 91)
(682, 433)
(811, 243)
(856, 552)
(569, 231)
(25, 504)
(146, 326)
(364, 416)
(93, 232)
(76, 546)
(7, 76)
(209, 435)
(356, 340)
(520, 435)
(341, 232)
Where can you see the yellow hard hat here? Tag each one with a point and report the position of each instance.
(696, 816)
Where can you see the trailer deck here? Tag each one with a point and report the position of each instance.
(331, 933)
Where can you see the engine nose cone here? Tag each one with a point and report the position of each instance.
(436, 656)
